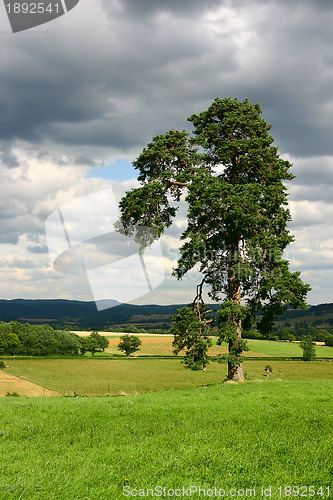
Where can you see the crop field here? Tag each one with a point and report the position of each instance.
(162, 345)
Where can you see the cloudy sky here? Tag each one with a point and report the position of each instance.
(82, 95)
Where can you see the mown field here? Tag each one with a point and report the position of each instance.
(162, 345)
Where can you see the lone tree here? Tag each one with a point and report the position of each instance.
(129, 344)
(232, 179)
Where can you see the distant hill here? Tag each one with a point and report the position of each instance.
(75, 313)
(85, 314)
(320, 316)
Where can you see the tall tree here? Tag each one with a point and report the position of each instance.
(232, 179)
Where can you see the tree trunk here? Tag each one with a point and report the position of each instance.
(235, 372)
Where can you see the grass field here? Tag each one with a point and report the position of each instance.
(99, 377)
(225, 436)
(284, 349)
(175, 429)
(162, 345)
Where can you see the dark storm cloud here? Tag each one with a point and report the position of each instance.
(102, 92)
(147, 9)
(7, 156)
(38, 249)
(151, 63)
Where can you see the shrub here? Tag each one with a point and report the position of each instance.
(252, 334)
(309, 350)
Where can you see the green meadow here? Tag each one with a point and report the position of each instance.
(101, 377)
(227, 436)
(156, 429)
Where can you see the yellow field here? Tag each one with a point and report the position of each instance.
(153, 345)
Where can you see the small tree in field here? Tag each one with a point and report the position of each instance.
(268, 370)
(309, 350)
(192, 335)
(129, 344)
(232, 179)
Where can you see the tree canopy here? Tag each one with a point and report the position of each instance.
(233, 181)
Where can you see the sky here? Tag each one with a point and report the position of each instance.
(81, 96)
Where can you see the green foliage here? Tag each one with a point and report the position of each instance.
(230, 317)
(268, 370)
(284, 334)
(126, 329)
(9, 342)
(94, 343)
(309, 350)
(2, 365)
(251, 334)
(129, 344)
(192, 334)
(158, 331)
(329, 341)
(237, 225)
(36, 340)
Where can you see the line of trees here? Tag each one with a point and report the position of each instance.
(291, 334)
(24, 339)
(134, 329)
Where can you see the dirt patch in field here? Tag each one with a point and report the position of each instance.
(11, 384)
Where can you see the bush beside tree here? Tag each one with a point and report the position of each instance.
(309, 350)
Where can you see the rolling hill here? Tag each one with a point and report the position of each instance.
(82, 314)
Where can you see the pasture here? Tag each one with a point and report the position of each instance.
(113, 374)
(121, 376)
(271, 435)
(174, 428)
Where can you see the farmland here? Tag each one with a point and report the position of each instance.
(172, 428)
(155, 368)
